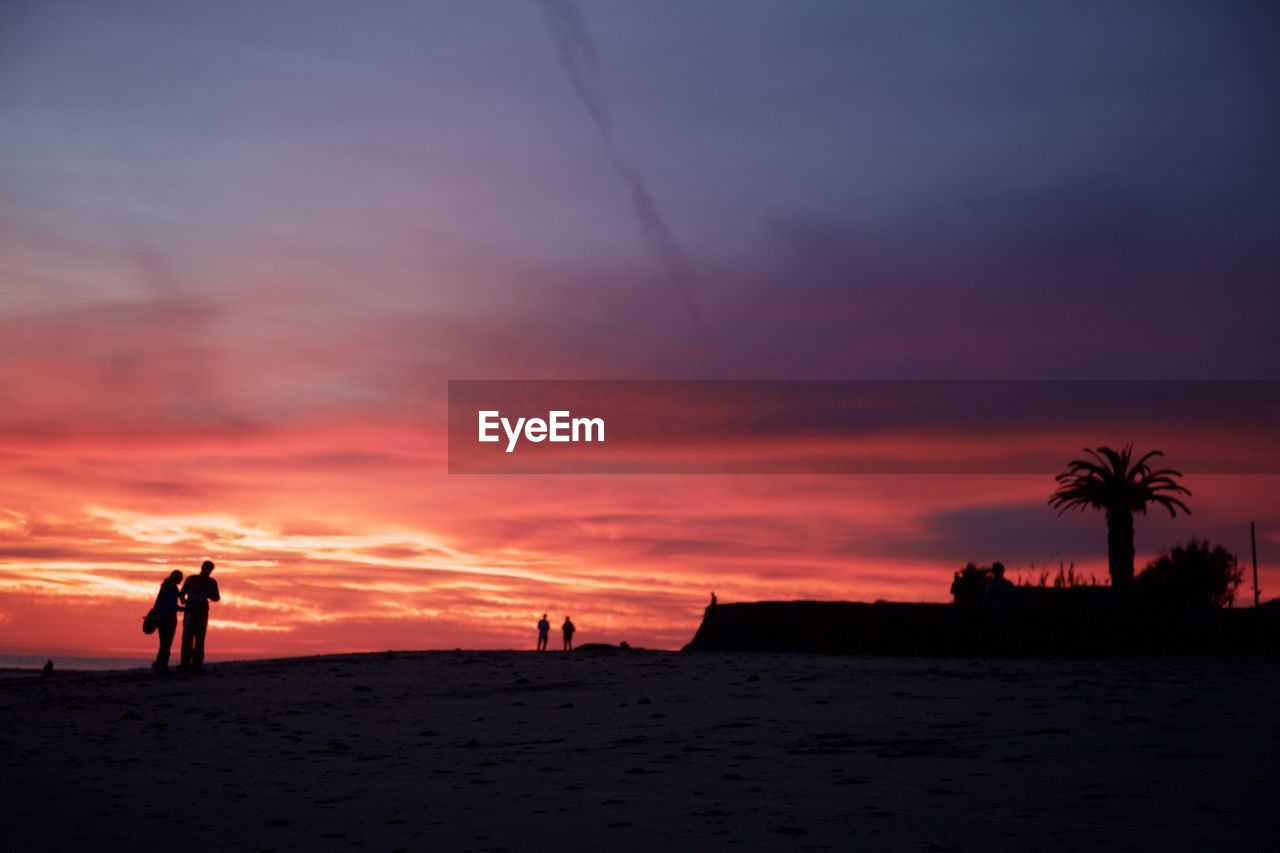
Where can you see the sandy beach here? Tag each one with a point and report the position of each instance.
(641, 750)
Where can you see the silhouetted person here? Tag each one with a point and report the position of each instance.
(48, 668)
(997, 597)
(166, 614)
(544, 631)
(713, 600)
(568, 629)
(196, 594)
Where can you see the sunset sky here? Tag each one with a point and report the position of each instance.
(244, 247)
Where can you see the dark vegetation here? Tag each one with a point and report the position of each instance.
(1114, 482)
(1194, 575)
(1181, 602)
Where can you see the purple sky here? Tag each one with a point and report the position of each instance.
(1024, 190)
(243, 246)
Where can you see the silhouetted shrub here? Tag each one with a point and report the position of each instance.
(1066, 578)
(1191, 575)
(970, 585)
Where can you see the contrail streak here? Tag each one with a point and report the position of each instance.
(578, 56)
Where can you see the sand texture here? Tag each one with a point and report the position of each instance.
(646, 751)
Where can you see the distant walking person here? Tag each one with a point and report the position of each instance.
(568, 629)
(196, 594)
(166, 611)
(544, 631)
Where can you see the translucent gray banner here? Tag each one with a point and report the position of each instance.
(854, 427)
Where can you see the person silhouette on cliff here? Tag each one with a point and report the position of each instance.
(568, 629)
(997, 597)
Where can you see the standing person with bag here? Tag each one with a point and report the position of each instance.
(164, 613)
(197, 592)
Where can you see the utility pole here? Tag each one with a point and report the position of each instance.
(1253, 544)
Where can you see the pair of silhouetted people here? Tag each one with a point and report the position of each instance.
(192, 601)
(544, 632)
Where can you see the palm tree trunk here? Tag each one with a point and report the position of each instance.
(1120, 547)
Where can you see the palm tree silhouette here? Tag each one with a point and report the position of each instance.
(1112, 481)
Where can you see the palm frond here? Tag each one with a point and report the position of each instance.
(1108, 479)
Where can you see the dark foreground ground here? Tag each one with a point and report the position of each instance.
(646, 751)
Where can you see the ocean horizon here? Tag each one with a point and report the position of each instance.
(72, 662)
